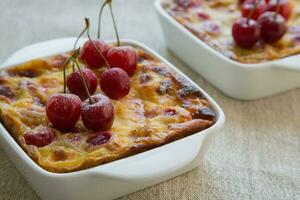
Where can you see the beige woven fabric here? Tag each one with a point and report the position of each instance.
(255, 156)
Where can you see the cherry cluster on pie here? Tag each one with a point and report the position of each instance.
(262, 19)
(98, 103)
(248, 31)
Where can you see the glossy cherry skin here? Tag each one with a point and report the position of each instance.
(124, 57)
(189, 3)
(272, 26)
(99, 138)
(76, 86)
(115, 83)
(285, 7)
(63, 110)
(248, 6)
(39, 137)
(99, 115)
(89, 54)
(245, 33)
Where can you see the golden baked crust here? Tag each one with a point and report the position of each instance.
(161, 107)
(212, 23)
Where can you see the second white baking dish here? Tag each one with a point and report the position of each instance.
(117, 178)
(237, 80)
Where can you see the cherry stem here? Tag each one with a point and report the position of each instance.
(73, 67)
(99, 19)
(64, 72)
(277, 8)
(114, 22)
(97, 49)
(75, 56)
(84, 81)
(79, 36)
(255, 3)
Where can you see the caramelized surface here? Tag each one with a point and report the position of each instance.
(212, 23)
(160, 108)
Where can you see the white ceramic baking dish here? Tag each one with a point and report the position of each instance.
(117, 178)
(237, 80)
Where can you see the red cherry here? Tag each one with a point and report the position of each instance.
(115, 83)
(63, 110)
(39, 137)
(99, 115)
(124, 57)
(91, 56)
(272, 26)
(202, 15)
(99, 138)
(248, 7)
(285, 7)
(242, 1)
(76, 86)
(189, 3)
(245, 32)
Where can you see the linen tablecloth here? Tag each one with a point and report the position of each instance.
(255, 156)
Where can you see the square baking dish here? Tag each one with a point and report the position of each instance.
(237, 80)
(117, 178)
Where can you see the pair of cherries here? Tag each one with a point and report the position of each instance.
(261, 19)
(64, 110)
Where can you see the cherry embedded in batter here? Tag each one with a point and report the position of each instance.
(124, 57)
(253, 8)
(242, 1)
(246, 32)
(90, 55)
(63, 110)
(202, 15)
(76, 85)
(189, 3)
(273, 26)
(115, 83)
(98, 115)
(39, 137)
(99, 138)
(170, 112)
(285, 7)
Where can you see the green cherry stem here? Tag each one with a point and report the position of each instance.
(73, 67)
(84, 81)
(75, 61)
(114, 21)
(99, 19)
(75, 44)
(80, 35)
(87, 22)
(64, 72)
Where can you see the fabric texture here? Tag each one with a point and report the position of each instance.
(256, 155)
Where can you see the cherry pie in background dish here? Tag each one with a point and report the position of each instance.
(212, 20)
(161, 107)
